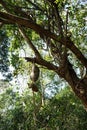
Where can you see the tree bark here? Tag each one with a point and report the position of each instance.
(79, 86)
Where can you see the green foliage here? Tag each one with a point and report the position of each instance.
(61, 3)
(64, 111)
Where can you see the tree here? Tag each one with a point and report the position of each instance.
(56, 25)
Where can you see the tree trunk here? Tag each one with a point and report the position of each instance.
(79, 86)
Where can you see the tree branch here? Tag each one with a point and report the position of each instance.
(4, 21)
(28, 23)
(4, 5)
(51, 1)
(59, 20)
(23, 33)
(44, 63)
(16, 9)
(36, 6)
(44, 32)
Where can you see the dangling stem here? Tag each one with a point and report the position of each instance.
(34, 113)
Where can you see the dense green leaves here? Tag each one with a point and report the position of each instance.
(64, 111)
